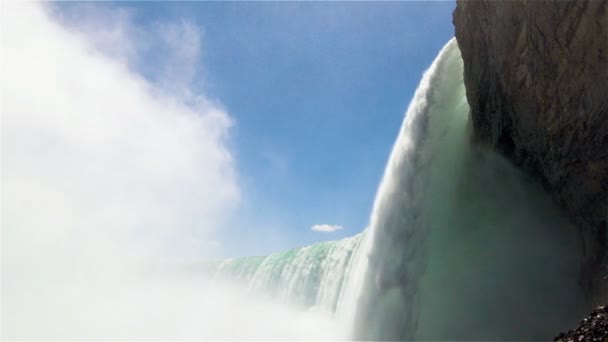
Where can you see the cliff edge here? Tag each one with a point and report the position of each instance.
(536, 77)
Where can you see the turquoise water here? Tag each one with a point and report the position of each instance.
(307, 277)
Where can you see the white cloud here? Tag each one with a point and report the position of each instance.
(326, 228)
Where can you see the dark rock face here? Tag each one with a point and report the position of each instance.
(536, 75)
(592, 328)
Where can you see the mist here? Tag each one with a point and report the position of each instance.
(109, 183)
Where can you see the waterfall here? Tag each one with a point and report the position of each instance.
(460, 244)
(400, 221)
(308, 277)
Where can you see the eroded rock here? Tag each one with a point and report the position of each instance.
(536, 75)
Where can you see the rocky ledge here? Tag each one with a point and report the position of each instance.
(593, 328)
(536, 76)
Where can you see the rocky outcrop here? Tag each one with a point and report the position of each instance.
(593, 328)
(536, 76)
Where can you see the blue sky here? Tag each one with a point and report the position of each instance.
(317, 92)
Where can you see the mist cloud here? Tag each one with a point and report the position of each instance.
(102, 172)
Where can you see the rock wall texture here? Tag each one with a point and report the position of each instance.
(536, 75)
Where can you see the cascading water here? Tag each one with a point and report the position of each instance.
(461, 245)
(307, 277)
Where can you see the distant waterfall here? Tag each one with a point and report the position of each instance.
(308, 277)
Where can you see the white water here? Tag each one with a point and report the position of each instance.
(462, 245)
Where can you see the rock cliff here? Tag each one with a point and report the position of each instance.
(536, 76)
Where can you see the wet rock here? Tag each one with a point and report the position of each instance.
(536, 76)
(593, 328)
